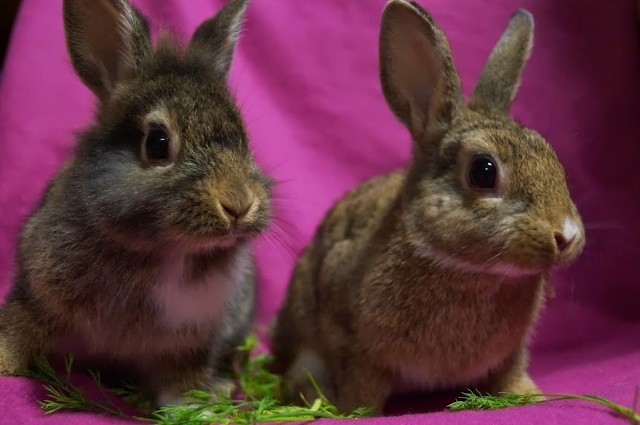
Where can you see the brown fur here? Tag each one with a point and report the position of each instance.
(113, 222)
(399, 284)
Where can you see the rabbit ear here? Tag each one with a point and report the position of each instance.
(216, 38)
(500, 77)
(419, 79)
(106, 40)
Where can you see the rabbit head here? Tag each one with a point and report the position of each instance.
(477, 178)
(168, 160)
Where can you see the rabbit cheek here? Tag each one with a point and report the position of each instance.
(430, 219)
(532, 245)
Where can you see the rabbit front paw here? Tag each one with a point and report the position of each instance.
(10, 362)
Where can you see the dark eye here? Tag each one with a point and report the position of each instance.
(483, 172)
(157, 144)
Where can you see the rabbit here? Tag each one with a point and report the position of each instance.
(139, 253)
(431, 279)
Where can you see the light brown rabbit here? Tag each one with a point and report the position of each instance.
(432, 278)
(138, 255)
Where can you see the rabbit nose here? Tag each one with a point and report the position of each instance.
(236, 211)
(565, 238)
(237, 207)
(561, 241)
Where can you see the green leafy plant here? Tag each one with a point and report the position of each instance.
(259, 399)
(63, 395)
(471, 400)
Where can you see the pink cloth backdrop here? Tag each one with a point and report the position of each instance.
(306, 78)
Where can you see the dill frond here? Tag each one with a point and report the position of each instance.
(63, 395)
(259, 400)
(471, 400)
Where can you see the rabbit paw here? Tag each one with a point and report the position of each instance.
(10, 363)
(222, 388)
(219, 388)
(523, 384)
(300, 387)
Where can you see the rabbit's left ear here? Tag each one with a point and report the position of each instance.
(216, 38)
(106, 40)
(500, 77)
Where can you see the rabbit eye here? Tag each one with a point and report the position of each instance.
(157, 144)
(483, 172)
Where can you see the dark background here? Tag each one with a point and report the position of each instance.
(8, 9)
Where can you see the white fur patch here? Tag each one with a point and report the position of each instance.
(569, 229)
(193, 302)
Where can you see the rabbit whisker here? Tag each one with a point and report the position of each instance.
(284, 226)
(274, 241)
(604, 226)
(492, 261)
(277, 231)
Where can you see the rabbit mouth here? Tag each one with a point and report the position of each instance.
(214, 242)
(511, 270)
(496, 265)
(226, 241)
(197, 243)
(501, 269)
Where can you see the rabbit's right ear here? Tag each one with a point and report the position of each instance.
(419, 79)
(106, 40)
(500, 77)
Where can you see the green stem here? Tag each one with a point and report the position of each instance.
(624, 411)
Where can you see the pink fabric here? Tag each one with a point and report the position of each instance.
(306, 79)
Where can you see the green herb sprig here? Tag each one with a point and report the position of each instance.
(261, 392)
(260, 399)
(63, 395)
(471, 400)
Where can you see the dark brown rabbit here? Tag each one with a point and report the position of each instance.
(139, 252)
(431, 278)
